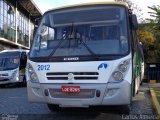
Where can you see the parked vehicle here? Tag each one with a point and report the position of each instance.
(85, 55)
(12, 66)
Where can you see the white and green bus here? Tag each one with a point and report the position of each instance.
(12, 66)
(85, 55)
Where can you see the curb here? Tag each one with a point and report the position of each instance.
(155, 102)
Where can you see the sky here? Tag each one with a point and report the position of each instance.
(44, 5)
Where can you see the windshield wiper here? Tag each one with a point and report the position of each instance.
(72, 37)
(61, 41)
(90, 51)
(54, 50)
(85, 45)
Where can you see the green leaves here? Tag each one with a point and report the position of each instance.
(149, 43)
(149, 35)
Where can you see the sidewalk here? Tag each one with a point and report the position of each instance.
(156, 104)
(144, 87)
(155, 85)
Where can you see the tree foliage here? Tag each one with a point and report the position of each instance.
(149, 31)
(155, 22)
(135, 9)
(151, 46)
(149, 35)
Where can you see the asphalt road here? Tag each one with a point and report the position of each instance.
(13, 102)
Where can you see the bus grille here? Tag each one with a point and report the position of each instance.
(85, 93)
(77, 75)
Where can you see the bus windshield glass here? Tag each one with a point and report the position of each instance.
(82, 31)
(9, 61)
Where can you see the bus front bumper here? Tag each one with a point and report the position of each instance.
(8, 81)
(90, 94)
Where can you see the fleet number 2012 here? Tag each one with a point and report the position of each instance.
(43, 67)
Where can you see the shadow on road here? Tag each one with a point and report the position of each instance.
(92, 113)
(102, 112)
(96, 110)
(6, 86)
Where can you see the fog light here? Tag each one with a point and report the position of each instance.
(37, 91)
(111, 92)
(98, 93)
(46, 92)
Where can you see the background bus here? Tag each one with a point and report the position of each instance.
(84, 55)
(12, 66)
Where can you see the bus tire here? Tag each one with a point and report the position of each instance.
(141, 83)
(131, 96)
(126, 109)
(133, 89)
(53, 108)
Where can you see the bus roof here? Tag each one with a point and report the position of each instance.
(15, 50)
(91, 3)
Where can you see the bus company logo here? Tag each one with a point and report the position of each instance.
(102, 65)
(71, 59)
(70, 76)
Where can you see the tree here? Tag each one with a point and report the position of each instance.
(149, 34)
(151, 45)
(155, 22)
(135, 9)
(155, 13)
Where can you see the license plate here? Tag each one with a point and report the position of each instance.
(70, 89)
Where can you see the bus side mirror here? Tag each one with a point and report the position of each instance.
(36, 22)
(134, 22)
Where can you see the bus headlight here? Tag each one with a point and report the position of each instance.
(122, 68)
(33, 77)
(32, 74)
(126, 62)
(120, 72)
(14, 74)
(124, 65)
(117, 75)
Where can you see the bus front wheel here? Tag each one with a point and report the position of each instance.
(53, 107)
(126, 109)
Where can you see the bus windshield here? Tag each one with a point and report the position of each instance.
(82, 31)
(9, 61)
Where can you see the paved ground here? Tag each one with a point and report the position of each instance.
(13, 101)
